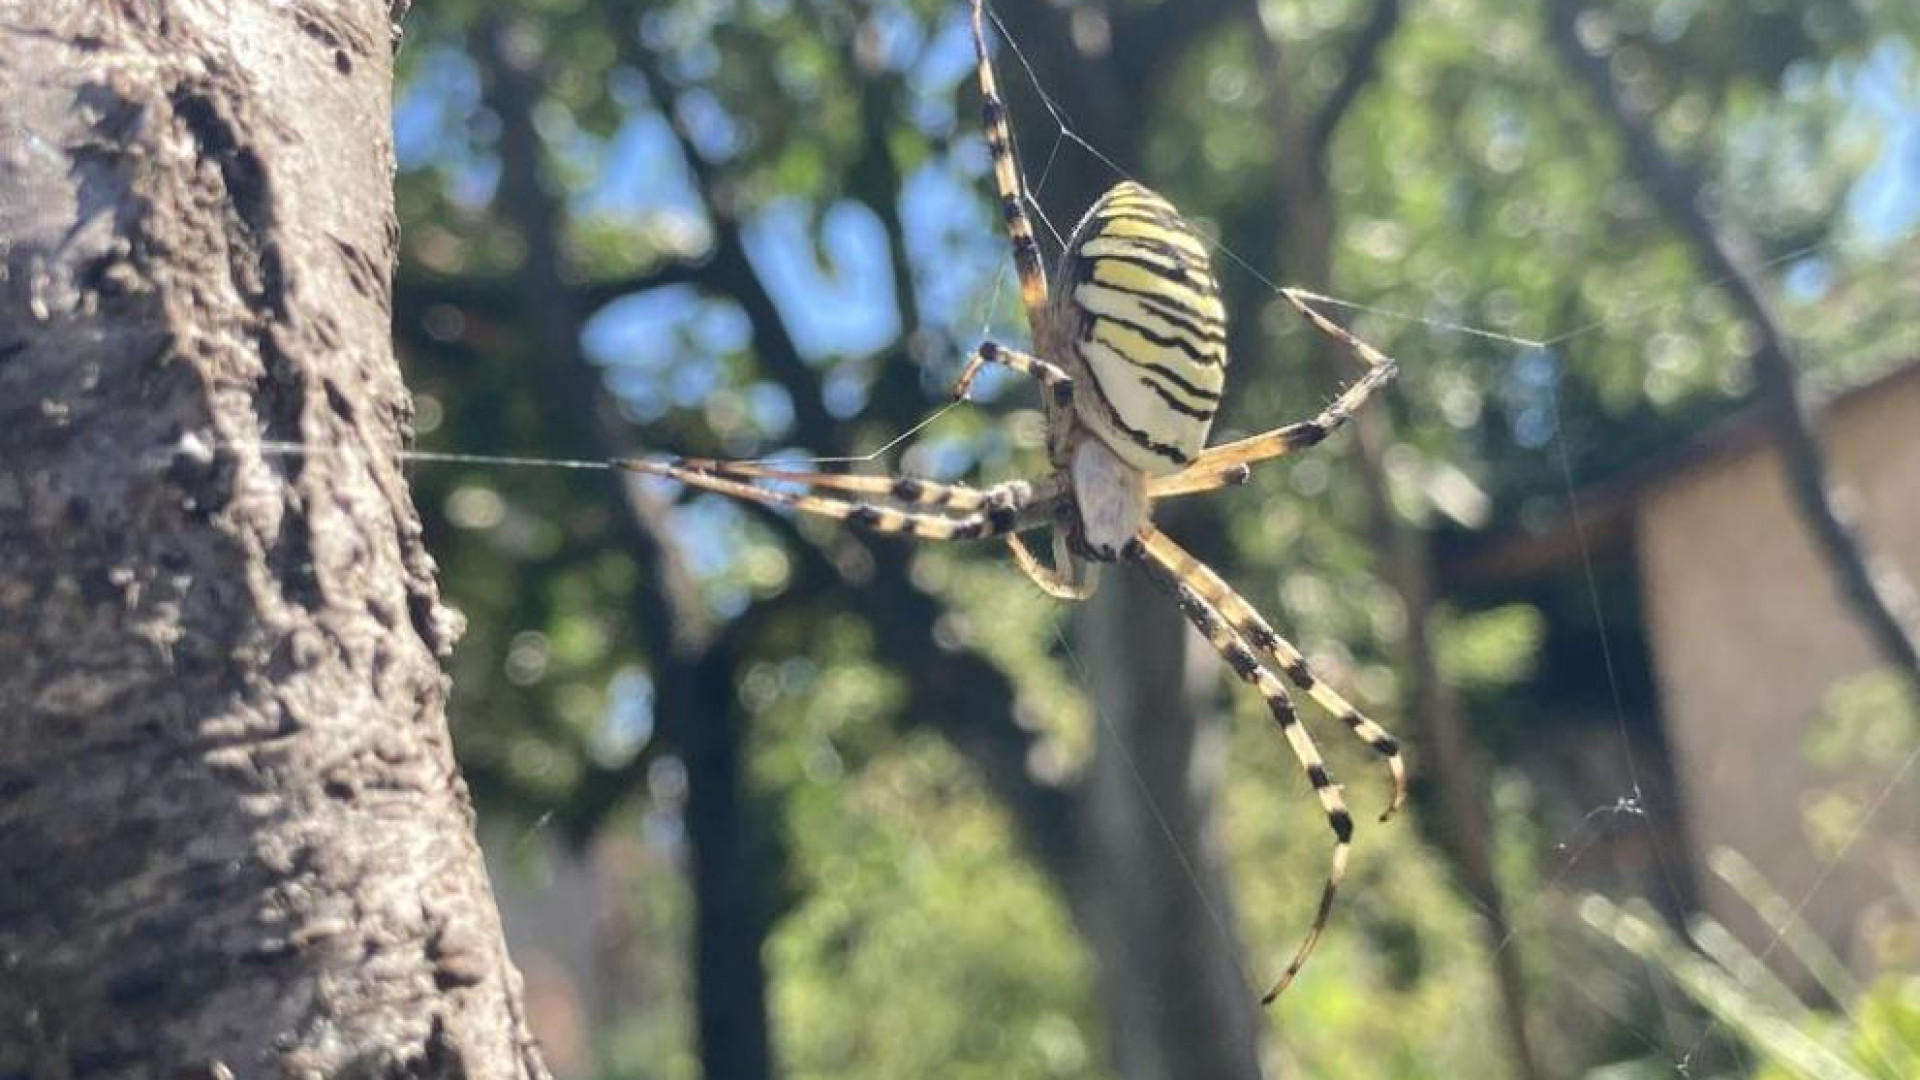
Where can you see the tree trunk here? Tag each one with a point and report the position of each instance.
(1434, 718)
(235, 840)
(694, 675)
(1147, 889)
(1144, 880)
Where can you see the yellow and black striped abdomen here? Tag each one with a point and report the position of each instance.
(1142, 313)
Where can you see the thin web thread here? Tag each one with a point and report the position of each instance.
(274, 448)
(1635, 803)
(1119, 745)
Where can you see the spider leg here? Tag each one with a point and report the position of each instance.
(1254, 629)
(902, 489)
(1216, 461)
(1191, 481)
(1006, 177)
(1003, 508)
(1228, 641)
(1217, 466)
(1058, 383)
(1077, 582)
(735, 478)
(1303, 301)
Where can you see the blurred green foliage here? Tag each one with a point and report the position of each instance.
(1474, 190)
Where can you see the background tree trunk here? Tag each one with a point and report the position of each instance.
(1167, 956)
(235, 840)
(1145, 880)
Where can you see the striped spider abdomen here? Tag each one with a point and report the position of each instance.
(1140, 312)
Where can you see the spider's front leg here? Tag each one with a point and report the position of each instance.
(1070, 577)
(1228, 463)
(891, 505)
(1058, 383)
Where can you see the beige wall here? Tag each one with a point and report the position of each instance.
(1748, 635)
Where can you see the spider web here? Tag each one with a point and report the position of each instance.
(1631, 805)
(1627, 808)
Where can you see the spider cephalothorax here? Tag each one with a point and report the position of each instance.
(1132, 353)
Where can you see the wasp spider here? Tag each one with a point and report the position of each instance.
(1131, 350)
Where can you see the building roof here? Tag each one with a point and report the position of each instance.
(1599, 520)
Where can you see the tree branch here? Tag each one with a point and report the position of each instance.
(1362, 64)
(497, 296)
(732, 272)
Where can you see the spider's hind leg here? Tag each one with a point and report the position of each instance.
(1233, 648)
(1254, 629)
(1069, 578)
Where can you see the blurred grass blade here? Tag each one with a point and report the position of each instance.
(1806, 946)
(1722, 996)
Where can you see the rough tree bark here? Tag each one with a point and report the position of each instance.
(232, 835)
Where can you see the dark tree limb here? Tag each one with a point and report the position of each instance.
(964, 695)
(877, 180)
(496, 296)
(696, 710)
(1360, 66)
(1883, 601)
(1169, 973)
(1440, 728)
(732, 272)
